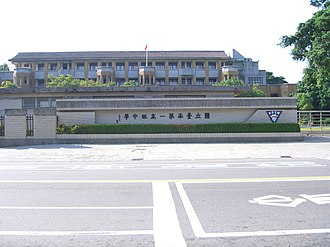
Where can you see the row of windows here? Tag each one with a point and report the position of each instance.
(121, 65)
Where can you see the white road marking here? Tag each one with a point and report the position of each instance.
(275, 200)
(73, 208)
(200, 232)
(167, 231)
(193, 218)
(264, 233)
(320, 199)
(75, 233)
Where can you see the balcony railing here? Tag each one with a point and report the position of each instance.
(186, 72)
(147, 69)
(22, 71)
(230, 69)
(104, 69)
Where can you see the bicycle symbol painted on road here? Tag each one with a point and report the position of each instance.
(285, 201)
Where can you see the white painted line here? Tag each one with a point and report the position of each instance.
(75, 233)
(74, 208)
(194, 221)
(200, 233)
(265, 233)
(167, 231)
(256, 180)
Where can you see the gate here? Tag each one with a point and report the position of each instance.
(2, 125)
(29, 125)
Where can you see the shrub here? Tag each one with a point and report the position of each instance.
(177, 128)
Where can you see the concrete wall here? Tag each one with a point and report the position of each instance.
(176, 111)
(15, 103)
(15, 124)
(72, 118)
(44, 127)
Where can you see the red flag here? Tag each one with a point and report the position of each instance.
(145, 48)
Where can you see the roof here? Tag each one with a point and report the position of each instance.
(112, 55)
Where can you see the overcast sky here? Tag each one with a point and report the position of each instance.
(253, 27)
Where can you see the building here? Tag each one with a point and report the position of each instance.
(188, 68)
(248, 70)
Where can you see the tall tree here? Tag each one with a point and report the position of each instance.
(311, 43)
(4, 67)
(271, 79)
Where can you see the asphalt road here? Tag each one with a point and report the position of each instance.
(282, 201)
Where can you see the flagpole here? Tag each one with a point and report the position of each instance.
(146, 54)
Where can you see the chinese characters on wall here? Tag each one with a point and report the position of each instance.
(169, 116)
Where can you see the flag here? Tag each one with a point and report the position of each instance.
(145, 48)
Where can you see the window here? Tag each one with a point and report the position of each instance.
(40, 66)
(80, 66)
(212, 80)
(160, 65)
(186, 81)
(186, 65)
(29, 102)
(160, 81)
(172, 65)
(41, 83)
(133, 66)
(92, 66)
(66, 66)
(255, 80)
(199, 65)
(53, 66)
(144, 64)
(120, 66)
(212, 65)
(200, 81)
(173, 81)
(42, 102)
(26, 65)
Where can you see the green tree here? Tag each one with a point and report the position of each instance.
(311, 43)
(230, 82)
(271, 79)
(4, 67)
(68, 81)
(253, 92)
(8, 84)
(130, 83)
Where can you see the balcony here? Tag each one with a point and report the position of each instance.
(229, 69)
(146, 70)
(25, 71)
(186, 72)
(104, 70)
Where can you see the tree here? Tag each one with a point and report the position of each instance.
(8, 84)
(234, 82)
(253, 92)
(271, 79)
(311, 43)
(4, 67)
(68, 81)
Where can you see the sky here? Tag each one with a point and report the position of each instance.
(252, 27)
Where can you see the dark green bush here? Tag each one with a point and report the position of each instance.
(177, 128)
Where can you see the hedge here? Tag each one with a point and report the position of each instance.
(177, 128)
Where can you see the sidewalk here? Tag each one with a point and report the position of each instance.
(312, 147)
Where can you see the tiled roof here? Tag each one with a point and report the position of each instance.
(111, 55)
